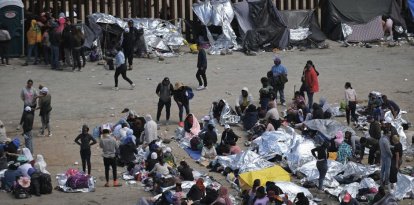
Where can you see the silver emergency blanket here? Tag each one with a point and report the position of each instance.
(368, 183)
(336, 111)
(328, 128)
(299, 34)
(291, 189)
(359, 170)
(346, 30)
(62, 178)
(246, 161)
(227, 115)
(339, 191)
(159, 35)
(334, 168)
(273, 143)
(300, 154)
(217, 13)
(397, 123)
(405, 186)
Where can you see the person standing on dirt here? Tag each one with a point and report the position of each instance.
(311, 82)
(67, 39)
(321, 155)
(45, 107)
(77, 43)
(201, 68)
(182, 100)
(85, 148)
(164, 91)
(121, 69)
(27, 127)
(280, 75)
(350, 100)
(386, 156)
(109, 146)
(129, 42)
(28, 95)
(4, 44)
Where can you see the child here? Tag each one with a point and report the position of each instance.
(85, 147)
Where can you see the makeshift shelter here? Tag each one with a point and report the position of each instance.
(358, 21)
(273, 174)
(261, 25)
(217, 15)
(12, 16)
(304, 29)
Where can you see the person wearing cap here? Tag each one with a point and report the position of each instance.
(228, 135)
(45, 109)
(28, 94)
(201, 68)
(388, 128)
(86, 141)
(373, 145)
(311, 82)
(280, 75)
(151, 161)
(244, 100)
(164, 91)
(386, 156)
(391, 105)
(121, 69)
(129, 42)
(109, 147)
(181, 99)
(27, 127)
(169, 157)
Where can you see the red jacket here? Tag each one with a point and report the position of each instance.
(311, 79)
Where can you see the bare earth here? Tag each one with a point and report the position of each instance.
(77, 98)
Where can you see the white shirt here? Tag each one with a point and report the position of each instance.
(350, 95)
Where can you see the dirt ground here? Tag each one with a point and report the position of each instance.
(86, 97)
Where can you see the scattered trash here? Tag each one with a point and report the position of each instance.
(99, 83)
(218, 68)
(148, 79)
(112, 115)
(111, 108)
(76, 163)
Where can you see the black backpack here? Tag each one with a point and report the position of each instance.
(196, 143)
(20, 192)
(45, 183)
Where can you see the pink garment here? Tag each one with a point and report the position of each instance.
(235, 149)
(195, 129)
(339, 138)
(62, 22)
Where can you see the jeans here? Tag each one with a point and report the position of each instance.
(322, 168)
(310, 99)
(45, 122)
(86, 159)
(180, 109)
(350, 112)
(30, 50)
(54, 57)
(281, 93)
(110, 162)
(385, 169)
(68, 56)
(161, 105)
(28, 140)
(201, 72)
(373, 156)
(76, 54)
(121, 70)
(46, 54)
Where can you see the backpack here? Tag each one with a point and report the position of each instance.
(189, 93)
(45, 184)
(196, 144)
(78, 181)
(35, 183)
(20, 192)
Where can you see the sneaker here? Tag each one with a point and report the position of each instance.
(79, 70)
(106, 184)
(200, 87)
(50, 134)
(115, 88)
(116, 184)
(132, 86)
(283, 104)
(18, 127)
(130, 67)
(41, 134)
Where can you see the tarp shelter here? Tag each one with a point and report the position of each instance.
(11, 16)
(261, 25)
(273, 174)
(218, 14)
(340, 18)
(303, 27)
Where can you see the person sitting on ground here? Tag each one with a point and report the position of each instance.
(228, 135)
(326, 108)
(250, 117)
(301, 199)
(350, 139)
(244, 100)
(169, 157)
(197, 191)
(265, 93)
(150, 130)
(178, 195)
(12, 173)
(272, 115)
(234, 148)
(151, 161)
(191, 126)
(348, 200)
(127, 151)
(344, 149)
(210, 136)
(208, 153)
(260, 197)
(390, 105)
(373, 146)
(218, 109)
(186, 173)
(25, 166)
(317, 112)
(161, 169)
(11, 149)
